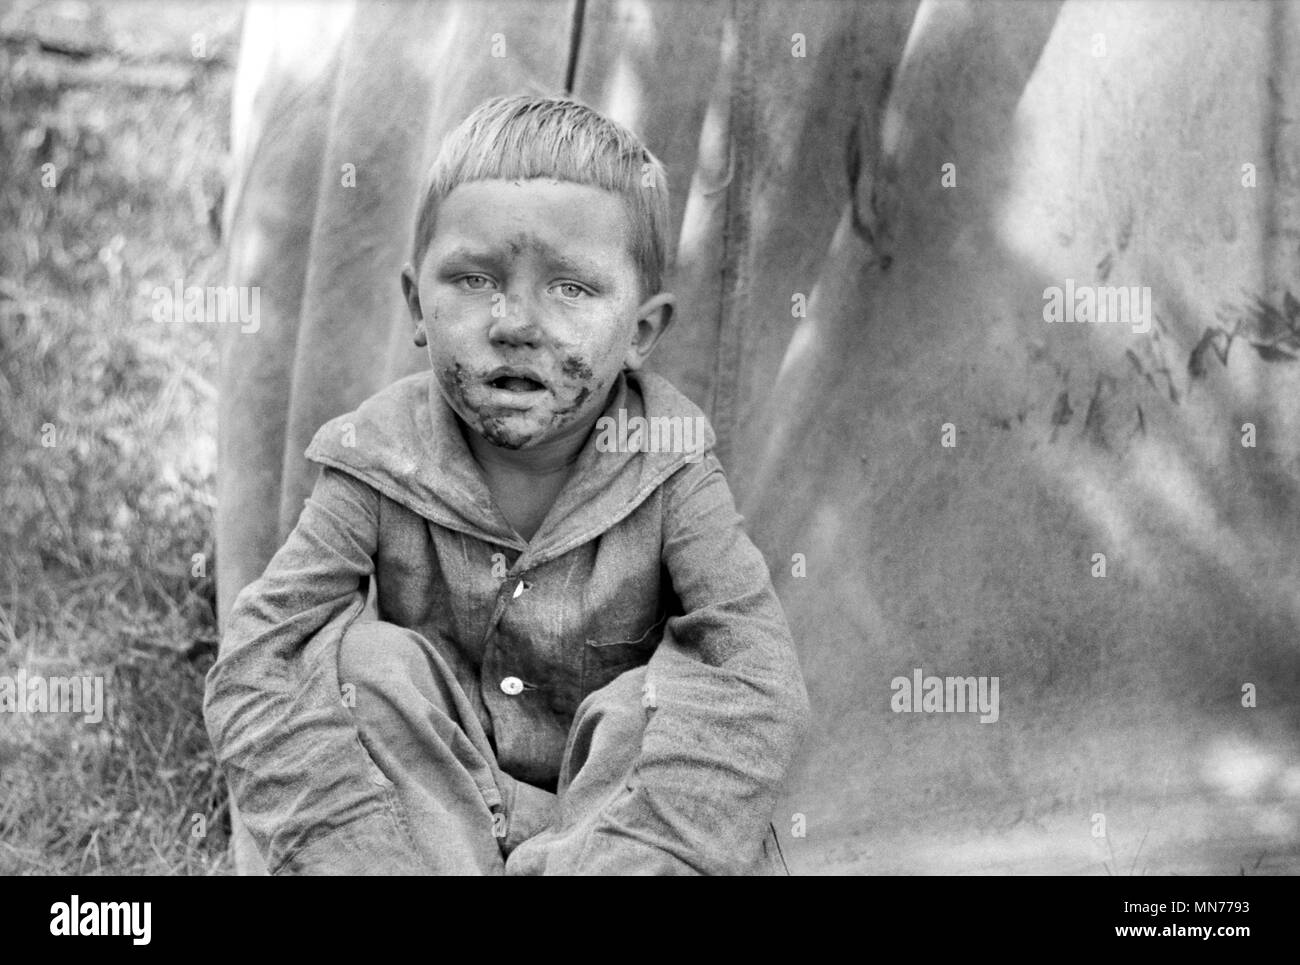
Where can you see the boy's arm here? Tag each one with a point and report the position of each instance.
(726, 701)
(309, 794)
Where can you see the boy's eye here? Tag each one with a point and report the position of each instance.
(570, 289)
(475, 282)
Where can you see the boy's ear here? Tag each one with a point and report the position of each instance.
(411, 294)
(653, 317)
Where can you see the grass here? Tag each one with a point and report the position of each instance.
(107, 449)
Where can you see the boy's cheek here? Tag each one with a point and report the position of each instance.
(455, 380)
(451, 319)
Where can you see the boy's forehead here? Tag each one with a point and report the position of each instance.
(548, 195)
(546, 216)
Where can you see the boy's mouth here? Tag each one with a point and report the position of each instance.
(514, 382)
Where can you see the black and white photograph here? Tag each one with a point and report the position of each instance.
(651, 437)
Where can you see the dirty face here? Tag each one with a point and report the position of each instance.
(529, 295)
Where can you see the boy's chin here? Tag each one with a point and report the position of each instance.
(517, 431)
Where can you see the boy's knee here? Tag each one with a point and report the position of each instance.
(373, 655)
(388, 673)
(392, 676)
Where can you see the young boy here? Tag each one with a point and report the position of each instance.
(579, 663)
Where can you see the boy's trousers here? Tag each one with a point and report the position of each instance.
(462, 813)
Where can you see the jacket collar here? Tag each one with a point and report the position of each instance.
(406, 442)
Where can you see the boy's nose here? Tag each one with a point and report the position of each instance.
(512, 322)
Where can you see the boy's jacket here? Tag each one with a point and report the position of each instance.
(641, 559)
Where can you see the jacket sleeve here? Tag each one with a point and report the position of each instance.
(308, 792)
(726, 702)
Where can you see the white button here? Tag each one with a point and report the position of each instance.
(512, 686)
(519, 590)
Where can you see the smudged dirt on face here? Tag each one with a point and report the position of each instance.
(577, 368)
(567, 392)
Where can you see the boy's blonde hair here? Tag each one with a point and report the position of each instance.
(522, 137)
